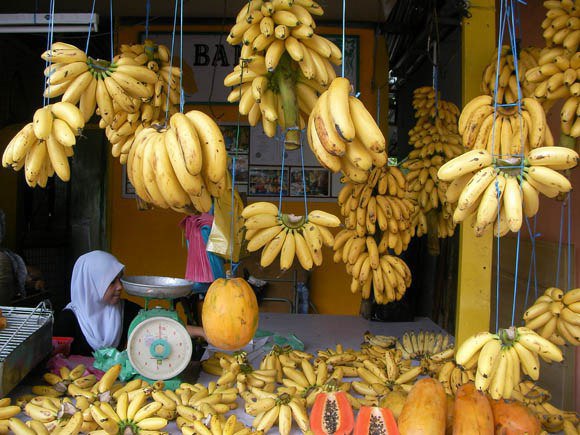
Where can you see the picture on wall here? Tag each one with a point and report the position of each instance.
(265, 181)
(317, 182)
(241, 167)
(230, 132)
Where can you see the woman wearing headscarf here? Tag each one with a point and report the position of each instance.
(97, 317)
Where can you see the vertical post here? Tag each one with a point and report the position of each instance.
(475, 253)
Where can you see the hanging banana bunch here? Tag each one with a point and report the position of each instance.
(288, 235)
(43, 146)
(507, 82)
(283, 65)
(343, 135)
(561, 26)
(480, 182)
(380, 202)
(181, 166)
(435, 140)
(453, 376)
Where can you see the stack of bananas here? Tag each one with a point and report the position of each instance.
(279, 408)
(378, 202)
(435, 140)
(182, 166)
(288, 235)
(481, 182)
(386, 275)
(283, 63)
(44, 145)
(507, 91)
(218, 425)
(556, 420)
(502, 357)
(343, 135)
(67, 377)
(425, 344)
(453, 376)
(504, 133)
(280, 357)
(561, 27)
(383, 341)
(556, 316)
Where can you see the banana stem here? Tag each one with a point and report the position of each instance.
(285, 78)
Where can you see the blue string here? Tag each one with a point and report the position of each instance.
(48, 63)
(569, 256)
(282, 178)
(535, 268)
(497, 260)
(90, 26)
(181, 94)
(303, 174)
(171, 63)
(112, 43)
(560, 245)
(343, 36)
(532, 268)
(147, 12)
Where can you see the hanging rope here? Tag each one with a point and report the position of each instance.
(171, 62)
(560, 244)
(569, 256)
(147, 13)
(112, 33)
(181, 93)
(48, 63)
(303, 174)
(281, 192)
(90, 27)
(343, 36)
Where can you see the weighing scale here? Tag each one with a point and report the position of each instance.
(159, 346)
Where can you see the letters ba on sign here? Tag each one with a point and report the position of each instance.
(212, 58)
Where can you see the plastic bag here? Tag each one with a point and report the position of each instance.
(220, 237)
(109, 356)
(199, 267)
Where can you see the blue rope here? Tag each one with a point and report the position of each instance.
(303, 175)
(497, 260)
(569, 256)
(535, 261)
(181, 94)
(560, 245)
(90, 26)
(282, 177)
(343, 36)
(533, 235)
(171, 63)
(49, 39)
(147, 12)
(112, 36)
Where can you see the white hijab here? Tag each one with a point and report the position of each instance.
(102, 324)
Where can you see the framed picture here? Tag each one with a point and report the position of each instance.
(230, 132)
(317, 181)
(128, 190)
(265, 181)
(241, 168)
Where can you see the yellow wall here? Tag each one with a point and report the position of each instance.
(150, 242)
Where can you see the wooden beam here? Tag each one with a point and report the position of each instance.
(475, 253)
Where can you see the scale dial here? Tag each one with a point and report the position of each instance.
(159, 348)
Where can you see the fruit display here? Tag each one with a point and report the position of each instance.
(480, 181)
(284, 64)
(288, 235)
(504, 133)
(181, 166)
(507, 82)
(503, 357)
(435, 141)
(43, 146)
(556, 316)
(343, 135)
(230, 313)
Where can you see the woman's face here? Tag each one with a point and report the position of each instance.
(113, 294)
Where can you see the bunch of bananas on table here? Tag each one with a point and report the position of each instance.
(288, 235)
(453, 376)
(503, 357)
(43, 146)
(425, 344)
(504, 133)
(343, 135)
(283, 63)
(217, 425)
(182, 166)
(481, 182)
(386, 275)
(507, 82)
(380, 202)
(435, 140)
(556, 316)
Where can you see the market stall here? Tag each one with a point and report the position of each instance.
(274, 144)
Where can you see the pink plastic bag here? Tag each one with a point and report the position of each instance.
(59, 360)
(198, 268)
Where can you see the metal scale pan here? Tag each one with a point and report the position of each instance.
(157, 287)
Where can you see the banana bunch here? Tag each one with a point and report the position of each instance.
(280, 408)
(529, 392)
(504, 133)
(435, 140)
(197, 401)
(283, 64)
(479, 182)
(288, 235)
(218, 425)
(384, 341)
(453, 376)
(556, 316)
(219, 362)
(343, 135)
(280, 357)
(378, 202)
(67, 376)
(507, 91)
(425, 344)
(52, 413)
(561, 26)
(380, 378)
(182, 166)
(502, 357)
(43, 146)
(388, 276)
(345, 360)
(554, 419)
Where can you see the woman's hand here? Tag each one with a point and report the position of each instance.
(196, 331)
